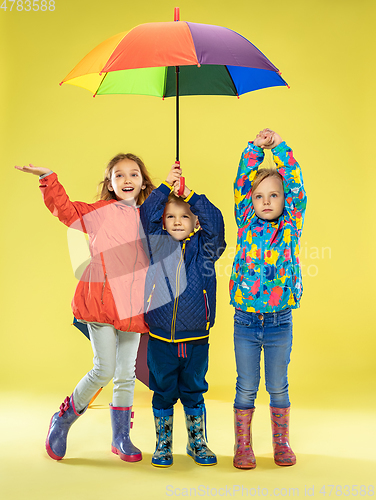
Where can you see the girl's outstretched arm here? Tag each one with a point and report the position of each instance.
(31, 169)
(57, 201)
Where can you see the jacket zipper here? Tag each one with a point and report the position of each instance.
(134, 266)
(150, 299)
(103, 287)
(262, 265)
(175, 310)
(207, 309)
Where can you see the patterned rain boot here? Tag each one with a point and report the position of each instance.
(244, 457)
(56, 442)
(283, 454)
(121, 441)
(195, 419)
(163, 420)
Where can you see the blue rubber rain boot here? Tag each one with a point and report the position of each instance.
(121, 441)
(56, 442)
(195, 419)
(163, 420)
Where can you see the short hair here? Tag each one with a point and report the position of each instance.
(172, 198)
(106, 194)
(262, 174)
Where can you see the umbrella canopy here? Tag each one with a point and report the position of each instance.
(213, 61)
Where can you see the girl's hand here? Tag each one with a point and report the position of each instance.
(276, 139)
(174, 174)
(186, 193)
(267, 139)
(30, 169)
(263, 138)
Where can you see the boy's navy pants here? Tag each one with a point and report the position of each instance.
(177, 371)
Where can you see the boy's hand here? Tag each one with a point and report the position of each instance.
(30, 169)
(174, 174)
(186, 193)
(267, 139)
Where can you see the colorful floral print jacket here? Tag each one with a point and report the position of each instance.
(266, 274)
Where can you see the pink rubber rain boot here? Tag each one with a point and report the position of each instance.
(244, 457)
(283, 454)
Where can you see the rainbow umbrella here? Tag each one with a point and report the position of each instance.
(148, 59)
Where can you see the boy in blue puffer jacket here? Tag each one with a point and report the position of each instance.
(185, 237)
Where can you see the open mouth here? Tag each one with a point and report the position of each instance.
(127, 189)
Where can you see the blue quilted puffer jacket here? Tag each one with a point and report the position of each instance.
(180, 289)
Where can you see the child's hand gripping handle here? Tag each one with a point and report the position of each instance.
(181, 181)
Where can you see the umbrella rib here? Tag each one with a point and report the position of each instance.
(229, 74)
(99, 86)
(165, 82)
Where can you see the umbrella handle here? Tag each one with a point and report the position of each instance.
(181, 181)
(181, 186)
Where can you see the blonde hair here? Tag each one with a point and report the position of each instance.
(262, 174)
(105, 194)
(172, 198)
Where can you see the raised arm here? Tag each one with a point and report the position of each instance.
(57, 200)
(151, 211)
(251, 158)
(212, 225)
(295, 195)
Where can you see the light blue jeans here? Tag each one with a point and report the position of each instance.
(115, 355)
(252, 333)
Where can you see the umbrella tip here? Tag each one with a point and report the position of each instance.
(177, 14)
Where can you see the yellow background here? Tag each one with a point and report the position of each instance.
(325, 50)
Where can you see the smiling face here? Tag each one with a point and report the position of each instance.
(126, 181)
(179, 220)
(268, 198)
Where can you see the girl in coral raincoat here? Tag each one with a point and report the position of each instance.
(109, 297)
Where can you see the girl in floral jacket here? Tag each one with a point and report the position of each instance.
(266, 283)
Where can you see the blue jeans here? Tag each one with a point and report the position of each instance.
(252, 332)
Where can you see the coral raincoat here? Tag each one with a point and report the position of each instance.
(266, 274)
(111, 289)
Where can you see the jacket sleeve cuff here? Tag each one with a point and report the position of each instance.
(192, 198)
(45, 175)
(282, 147)
(257, 149)
(165, 188)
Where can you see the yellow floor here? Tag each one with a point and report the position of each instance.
(335, 450)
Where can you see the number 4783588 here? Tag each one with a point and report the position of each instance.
(28, 5)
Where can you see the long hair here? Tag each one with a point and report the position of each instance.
(105, 194)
